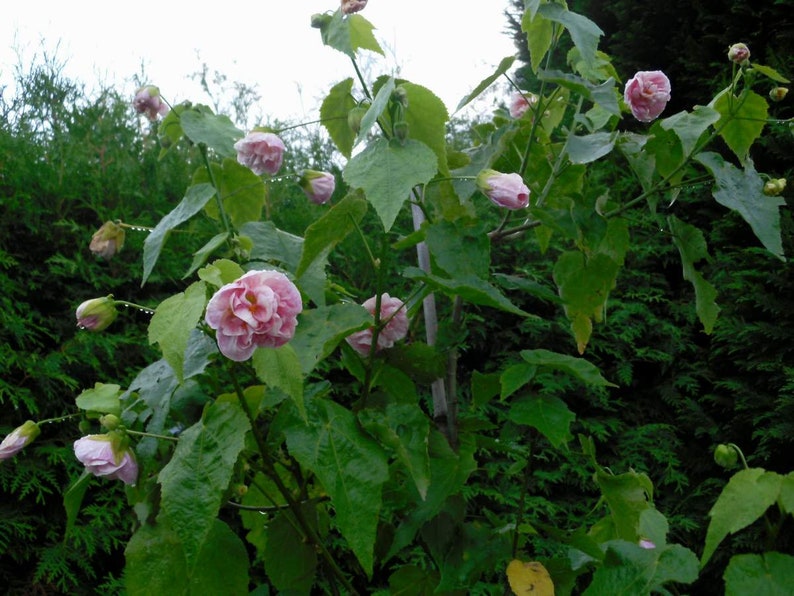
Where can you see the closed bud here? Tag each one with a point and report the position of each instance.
(110, 421)
(400, 96)
(320, 20)
(774, 187)
(354, 118)
(725, 456)
(739, 53)
(107, 240)
(18, 439)
(778, 93)
(317, 186)
(96, 314)
(401, 130)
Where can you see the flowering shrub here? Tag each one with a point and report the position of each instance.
(261, 424)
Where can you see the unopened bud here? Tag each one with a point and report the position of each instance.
(107, 240)
(18, 439)
(774, 187)
(354, 118)
(725, 456)
(320, 20)
(96, 314)
(401, 130)
(778, 93)
(739, 53)
(110, 421)
(400, 96)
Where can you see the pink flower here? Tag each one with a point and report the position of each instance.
(258, 310)
(351, 6)
(392, 312)
(107, 240)
(318, 186)
(260, 151)
(647, 544)
(18, 439)
(148, 101)
(96, 314)
(105, 455)
(521, 102)
(504, 190)
(739, 53)
(647, 94)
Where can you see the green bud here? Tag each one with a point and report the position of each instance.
(96, 314)
(320, 20)
(401, 130)
(400, 96)
(110, 421)
(725, 456)
(354, 118)
(774, 187)
(778, 93)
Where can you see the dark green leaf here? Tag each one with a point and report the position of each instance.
(578, 367)
(281, 368)
(73, 499)
(290, 560)
(243, 192)
(548, 414)
(584, 32)
(767, 574)
(590, 147)
(690, 127)
(216, 131)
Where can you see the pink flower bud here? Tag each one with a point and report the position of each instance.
(351, 6)
(260, 151)
(778, 93)
(96, 314)
(148, 101)
(393, 317)
(258, 310)
(739, 53)
(647, 544)
(318, 186)
(18, 439)
(107, 240)
(107, 455)
(647, 94)
(520, 102)
(504, 190)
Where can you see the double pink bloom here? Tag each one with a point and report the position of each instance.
(262, 152)
(392, 311)
(647, 94)
(258, 310)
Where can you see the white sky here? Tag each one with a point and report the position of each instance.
(448, 46)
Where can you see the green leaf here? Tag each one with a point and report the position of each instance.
(787, 493)
(484, 387)
(546, 413)
(690, 127)
(515, 377)
(201, 255)
(418, 360)
(272, 244)
(375, 109)
(281, 368)
(504, 65)
(349, 34)
(746, 497)
(102, 399)
(156, 563)
(459, 248)
(328, 231)
(290, 560)
(470, 287)
(174, 320)
(333, 113)
(361, 37)
(73, 499)
(351, 467)
(742, 119)
(770, 73)
(387, 171)
(540, 32)
(403, 428)
(692, 247)
(195, 198)
(427, 117)
(320, 330)
(194, 480)
(242, 192)
(589, 148)
(578, 367)
(742, 191)
(767, 574)
(216, 131)
(628, 496)
(584, 32)
(220, 272)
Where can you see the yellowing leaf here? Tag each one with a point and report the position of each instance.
(529, 579)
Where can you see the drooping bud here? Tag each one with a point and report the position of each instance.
(96, 314)
(354, 117)
(318, 186)
(400, 96)
(108, 455)
(107, 240)
(18, 439)
(147, 101)
(774, 187)
(739, 53)
(400, 130)
(725, 456)
(504, 190)
(778, 93)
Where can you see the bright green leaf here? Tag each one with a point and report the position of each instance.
(427, 117)
(221, 272)
(102, 398)
(351, 467)
(333, 113)
(584, 32)
(194, 201)
(767, 574)
(770, 73)
(243, 192)
(201, 255)
(174, 320)
(746, 497)
(194, 480)
(348, 34)
(281, 368)
(546, 413)
(387, 171)
(787, 493)
(742, 120)
(692, 247)
(628, 496)
(540, 32)
(361, 37)
(216, 131)
(742, 191)
(375, 109)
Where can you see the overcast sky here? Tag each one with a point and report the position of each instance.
(445, 45)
